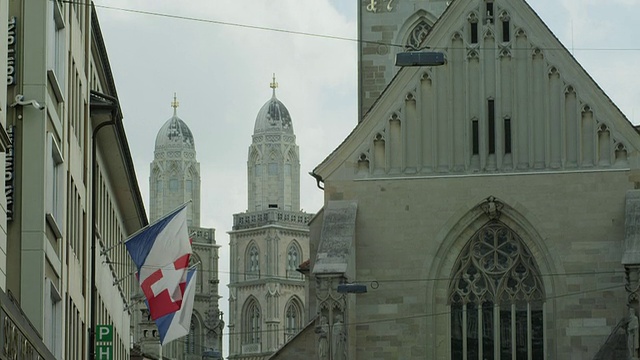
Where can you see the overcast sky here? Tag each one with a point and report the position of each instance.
(221, 74)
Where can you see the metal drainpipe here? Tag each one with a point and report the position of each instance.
(94, 165)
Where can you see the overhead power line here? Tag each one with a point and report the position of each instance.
(381, 281)
(316, 35)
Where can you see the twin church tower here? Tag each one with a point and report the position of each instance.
(267, 244)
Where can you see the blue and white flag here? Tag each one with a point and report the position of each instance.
(177, 324)
(161, 252)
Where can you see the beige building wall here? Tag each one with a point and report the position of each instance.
(60, 61)
(385, 28)
(576, 247)
(498, 143)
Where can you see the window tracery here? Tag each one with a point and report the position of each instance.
(252, 323)
(418, 35)
(293, 320)
(496, 298)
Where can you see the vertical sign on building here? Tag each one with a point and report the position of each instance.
(9, 173)
(104, 342)
(11, 52)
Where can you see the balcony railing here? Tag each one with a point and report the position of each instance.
(270, 216)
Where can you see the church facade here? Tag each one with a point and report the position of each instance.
(174, 180)
(268, 242)
(487, 205)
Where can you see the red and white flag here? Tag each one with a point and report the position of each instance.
(161, 252)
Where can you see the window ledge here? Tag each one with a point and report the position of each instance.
(53, 224)
(55, 85)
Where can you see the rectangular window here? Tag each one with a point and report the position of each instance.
(55, 190)
(507, 136)
(489, 9)
(56, 43)
(492, 126)
(505, 31)
(475, 138)
(474, 33)
(188, 186)
(52, 314)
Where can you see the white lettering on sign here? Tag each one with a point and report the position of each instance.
(11, 50)
(9, 173)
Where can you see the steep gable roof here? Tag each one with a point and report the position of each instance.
(500, 104)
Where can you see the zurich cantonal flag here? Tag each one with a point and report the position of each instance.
(161, 253)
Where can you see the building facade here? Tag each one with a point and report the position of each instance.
(73, 191)
(385, 28)
(268, 241)
(488, 205)
(174, 180)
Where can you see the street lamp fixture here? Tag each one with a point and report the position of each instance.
(420, 58)
(352, 288)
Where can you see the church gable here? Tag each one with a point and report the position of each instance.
(510, 98)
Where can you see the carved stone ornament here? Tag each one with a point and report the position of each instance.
(492, 207)
(331, 341)
(418, 35)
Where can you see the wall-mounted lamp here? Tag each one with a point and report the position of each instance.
(352, 288)
(20, 101)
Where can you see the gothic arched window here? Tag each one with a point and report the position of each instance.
(293, 321)
(496, 298)
(252, 323)
(253, 262)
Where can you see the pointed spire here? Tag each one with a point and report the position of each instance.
(274, 85)
(175, 104)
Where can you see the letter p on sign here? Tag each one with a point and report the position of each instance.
(104, 333)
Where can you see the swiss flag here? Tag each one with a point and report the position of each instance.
(161, 253)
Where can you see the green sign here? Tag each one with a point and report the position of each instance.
(104, 336)
(104, 352)
(104, 333)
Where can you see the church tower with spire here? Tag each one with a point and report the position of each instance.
(174, 180)
(268, 241)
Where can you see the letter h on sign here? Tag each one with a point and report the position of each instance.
(104, 335)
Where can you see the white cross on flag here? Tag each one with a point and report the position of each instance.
(161, 252)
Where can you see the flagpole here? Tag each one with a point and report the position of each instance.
(157, 221)
(121, 242)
